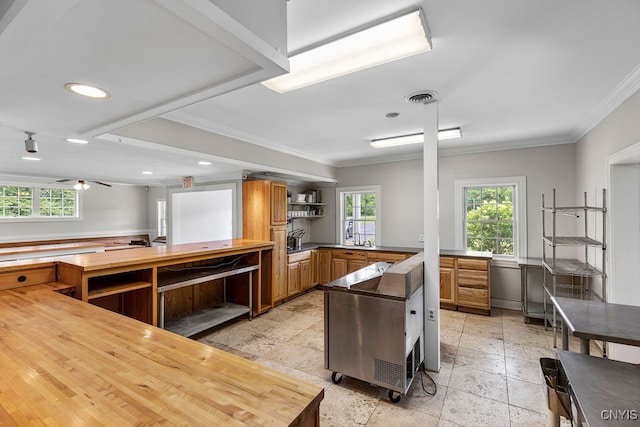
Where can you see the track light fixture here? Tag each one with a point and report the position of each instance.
(30, 144)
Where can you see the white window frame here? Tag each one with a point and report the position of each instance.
(519, 215)
(36, 203)
(340, 221)
(161, 204)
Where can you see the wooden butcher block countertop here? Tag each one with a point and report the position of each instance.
(68, 363)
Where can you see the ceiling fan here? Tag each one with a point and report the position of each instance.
(81, 184)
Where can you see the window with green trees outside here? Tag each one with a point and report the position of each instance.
(489, 220)
(36, 202)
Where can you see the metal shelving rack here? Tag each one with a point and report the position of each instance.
(582, 272)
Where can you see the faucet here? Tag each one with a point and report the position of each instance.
(356, 239)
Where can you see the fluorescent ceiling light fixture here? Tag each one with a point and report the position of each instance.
(81, 185)
(33, 159)
(204, 163)
(77, 140)
(147, 172)
(452, 133)
(87, 90)
(414, 138)
(394, 39)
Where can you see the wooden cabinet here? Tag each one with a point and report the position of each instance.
(324, 265)
(344, 261)
(373, 257)
(465, 283)
(299, 272)
(264, 217)
(447, 280)
(315, 267)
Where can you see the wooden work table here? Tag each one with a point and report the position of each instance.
(64, 362)
(128, 281)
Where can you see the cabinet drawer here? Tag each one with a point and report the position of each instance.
(473, 264)
(447, 262)
(298, 256)
(385, 257)
(473, 278)
(34, 276)
(469, 297)
(348, 254)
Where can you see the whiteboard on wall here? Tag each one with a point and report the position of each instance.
(202, 215)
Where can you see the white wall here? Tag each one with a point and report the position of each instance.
(619, 130)
(119, 210)
(401, 192)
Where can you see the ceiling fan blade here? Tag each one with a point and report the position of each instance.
(102, 183)
(65, 180)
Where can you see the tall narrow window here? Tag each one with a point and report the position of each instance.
(490, 216)
(359, 216)
(162, 217)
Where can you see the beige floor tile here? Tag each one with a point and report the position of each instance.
(444, 375)
(445, 423)
(484, 329)
(481, 383)
(468, 409)
(388, 414)
(347, 407)
(524, 335)
(418, 400)
(495, 318)
(524, 370)
(488, 362)
(290, 354)
(447, 352)
(526, 352)
(450, 337)
(314, 364)
(527, 395)
(521, 417)
(259, 346)
(303, 320)
(452, 324)
(309, 338)
(277, 314)
(488, 345)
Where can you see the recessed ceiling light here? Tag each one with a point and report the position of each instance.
(34, 159)
(204, 163)
(391, 115)
(87, 90)
(77, 141)
(147, 173)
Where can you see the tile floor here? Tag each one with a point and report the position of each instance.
(490, 373)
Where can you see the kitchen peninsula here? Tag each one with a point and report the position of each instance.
(67, 362)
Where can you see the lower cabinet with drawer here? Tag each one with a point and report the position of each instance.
(465, 284)
(345, 261)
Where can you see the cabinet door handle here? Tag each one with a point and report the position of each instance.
(412, 312)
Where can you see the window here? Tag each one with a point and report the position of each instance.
(162, 217)
(491, 216)
(17, 202)
(359, 215)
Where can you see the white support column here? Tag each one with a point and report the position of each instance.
(431, 240)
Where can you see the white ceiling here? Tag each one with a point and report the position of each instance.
(509, 73)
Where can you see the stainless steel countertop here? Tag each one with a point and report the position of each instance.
(599, 385)
(596, 320)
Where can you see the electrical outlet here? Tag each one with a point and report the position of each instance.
(421, 237)
(432, 314)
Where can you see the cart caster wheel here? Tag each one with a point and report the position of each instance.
(394, 396)
(336, 378)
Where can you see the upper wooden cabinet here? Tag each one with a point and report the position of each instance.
(278, 203)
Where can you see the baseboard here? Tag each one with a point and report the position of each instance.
(508, 304)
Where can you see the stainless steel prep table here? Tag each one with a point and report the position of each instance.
(593, 320)
(604, 391)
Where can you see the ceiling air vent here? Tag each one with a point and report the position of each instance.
(422, 97)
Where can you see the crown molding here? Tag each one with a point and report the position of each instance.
(501, 146)
(627, 87)
(210, 126)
